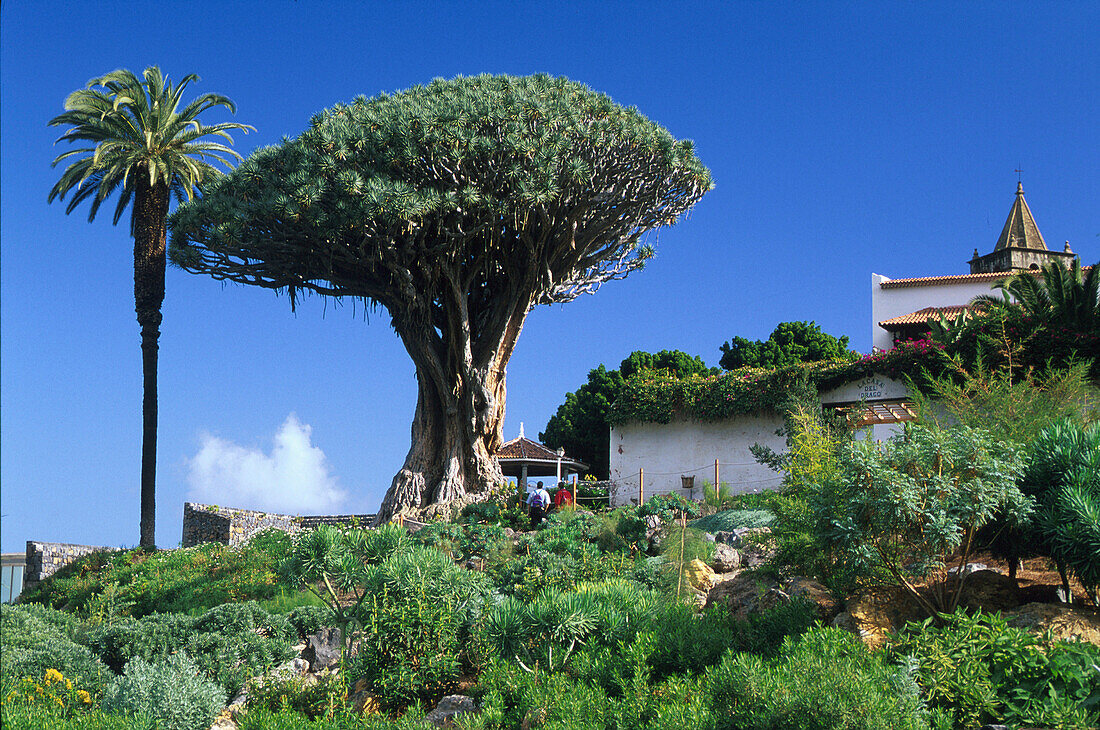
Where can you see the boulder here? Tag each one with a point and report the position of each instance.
(810, 590)
(750, 543)
(323, 649)
(296, 667)
(744, 594)
(988, 590)
(363, 700)
(1063, 621)
(699, 575)
(726, 559)
(224, 721)
(881, 611)
(448, 708)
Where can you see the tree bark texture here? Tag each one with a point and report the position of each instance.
(149, 227)
(459, 420)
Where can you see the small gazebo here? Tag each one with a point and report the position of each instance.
(522, 458)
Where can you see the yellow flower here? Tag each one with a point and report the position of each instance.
(68, 684)
(52, 675)
(84, 696)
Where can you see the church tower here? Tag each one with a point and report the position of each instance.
(1020, 246)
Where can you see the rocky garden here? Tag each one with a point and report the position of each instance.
(945, 579)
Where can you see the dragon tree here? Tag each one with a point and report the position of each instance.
(458, 207)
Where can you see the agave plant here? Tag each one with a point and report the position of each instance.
(544, 632)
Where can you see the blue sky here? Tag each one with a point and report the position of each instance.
(844, 138)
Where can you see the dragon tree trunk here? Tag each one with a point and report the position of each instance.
(459, 420)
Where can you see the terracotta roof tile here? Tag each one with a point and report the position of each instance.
(958, 279)
(525, 448)
(923, 316)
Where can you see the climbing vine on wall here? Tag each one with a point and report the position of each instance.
(658, 399)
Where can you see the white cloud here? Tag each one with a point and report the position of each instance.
(294, 478)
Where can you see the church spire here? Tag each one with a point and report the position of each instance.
(1020, 230)
(1020, 245)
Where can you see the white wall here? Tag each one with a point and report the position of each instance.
(889, 303)
(689, 448)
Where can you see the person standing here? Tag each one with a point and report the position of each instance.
(537, 504)
(564, 498)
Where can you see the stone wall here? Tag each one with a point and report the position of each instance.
(210, 523)
(46, 558)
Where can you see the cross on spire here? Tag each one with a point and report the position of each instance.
(1019, 174)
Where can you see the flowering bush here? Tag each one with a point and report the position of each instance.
(54, 692)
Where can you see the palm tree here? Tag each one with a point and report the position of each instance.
(1058, 296)
(142, 145)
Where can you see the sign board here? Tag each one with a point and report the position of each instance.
(871, 388)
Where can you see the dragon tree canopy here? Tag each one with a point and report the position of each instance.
(458, 207)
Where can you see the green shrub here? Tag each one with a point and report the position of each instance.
(170, 690)
(512, 698)
(237, 618)
(669, 507)
(286, 601)
(1063, 475)
(308, 620)
(548, 629)
(374, 546)
(733, 519)
(824, 679)
(688, 643)
(415, 622)
(312, 699)
(34, 640)
(903, 508)
(980, 670)
(153, 636)
(167, 581)
(289, 719)
(229, 643)
(37, 717)
(481, 512)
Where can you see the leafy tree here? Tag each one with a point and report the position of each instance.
(907, 507)
(676, 363)
(581, 425)
(145, 147)
(458, 207)
(1039, 320)
(789, 344)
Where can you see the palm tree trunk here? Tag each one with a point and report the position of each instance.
(149, 228)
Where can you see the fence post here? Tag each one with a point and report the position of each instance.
(716, 481)
(641, 487)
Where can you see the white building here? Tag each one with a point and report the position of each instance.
(679, 457)
(902, 308)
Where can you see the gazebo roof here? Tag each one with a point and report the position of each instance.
(539, 459)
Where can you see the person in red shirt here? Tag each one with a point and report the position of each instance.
(564, 498)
